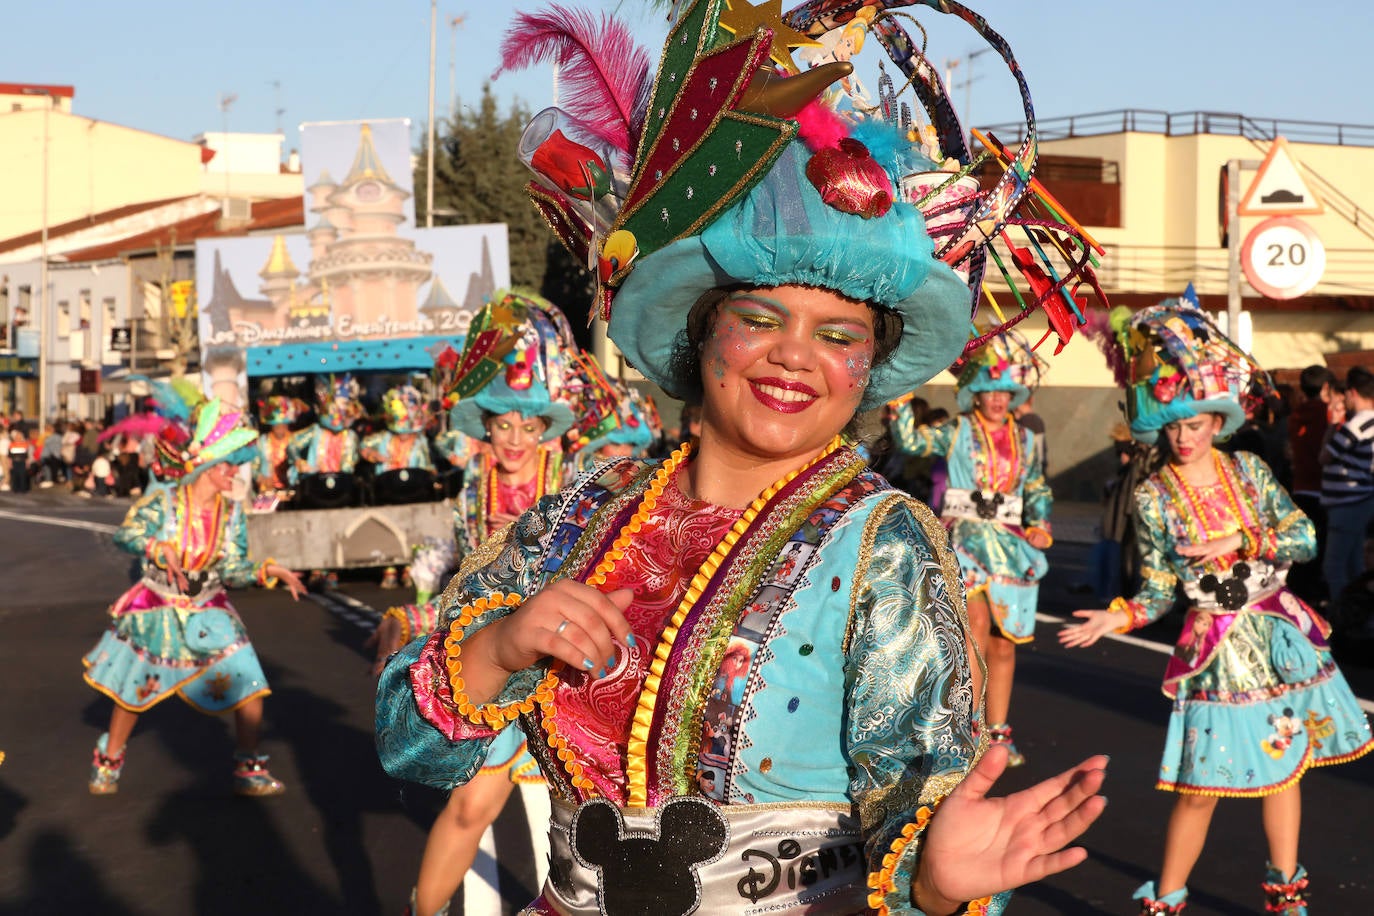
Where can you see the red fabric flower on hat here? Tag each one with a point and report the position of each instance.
(576, 170)
(851, 180)
(1166, 387)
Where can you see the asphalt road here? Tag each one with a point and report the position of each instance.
(346, 839)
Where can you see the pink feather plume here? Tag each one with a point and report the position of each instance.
(1098, 326)
(819, 126)
(604, 74)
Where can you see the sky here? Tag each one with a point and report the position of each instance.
(164, 65)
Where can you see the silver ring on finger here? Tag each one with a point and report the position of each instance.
(558, 631)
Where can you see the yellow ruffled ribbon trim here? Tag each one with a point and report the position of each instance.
(602, 570)
(881, 882)
(492, 715)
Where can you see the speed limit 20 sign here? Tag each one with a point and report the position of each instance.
(1282, 258)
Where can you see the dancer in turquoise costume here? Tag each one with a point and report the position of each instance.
(175, 632)
(330, 446)
(997, 509)
(1257, 698)
(517, 349)
(755, 651)
(274, 464)
(402, 446)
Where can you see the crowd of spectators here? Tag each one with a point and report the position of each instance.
(75, 454)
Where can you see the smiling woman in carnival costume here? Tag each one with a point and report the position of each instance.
(756, 650)
(175, 632)
(996, 508)
(499, 389)
(1257, 697)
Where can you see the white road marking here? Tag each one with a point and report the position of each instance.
(98, 527)
(1161, 648)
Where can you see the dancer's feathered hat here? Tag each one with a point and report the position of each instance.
(723, 168)
(208, 433)
(1175, 363)
(337, 402)
(515, 358)
(1005, 363)
(196, 433)
(405, 409)
(279, 409)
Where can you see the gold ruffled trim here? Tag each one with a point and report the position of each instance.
(881, 882)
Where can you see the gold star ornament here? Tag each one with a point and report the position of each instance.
(741, 18)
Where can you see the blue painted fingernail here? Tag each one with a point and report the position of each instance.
(600, 673)
(630, 641)
(610, 663)
(588, 664)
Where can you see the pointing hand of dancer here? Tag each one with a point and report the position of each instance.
(977, 845)
(293, 581)
(166, 551)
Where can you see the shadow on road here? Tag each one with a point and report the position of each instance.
(62, 881)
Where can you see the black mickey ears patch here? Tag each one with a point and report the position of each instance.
(639, 874)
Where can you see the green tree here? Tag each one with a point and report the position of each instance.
(479, 179)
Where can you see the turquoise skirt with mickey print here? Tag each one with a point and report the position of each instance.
(1269, 706)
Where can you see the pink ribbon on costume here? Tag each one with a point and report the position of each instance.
(142, 598)
(1203, 632)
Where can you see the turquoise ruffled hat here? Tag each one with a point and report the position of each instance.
(633, 430)
(782, 232)
(1004, 363)
(498, 397)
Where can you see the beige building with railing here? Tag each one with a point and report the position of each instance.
(1147, 186)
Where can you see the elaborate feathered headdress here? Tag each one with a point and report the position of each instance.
(279, 409)
(1007, 362)
(722, 166)
(211, 433)
(1175, 363)
(406, 410)
(337, 402)
(594, 400)
(516, 357)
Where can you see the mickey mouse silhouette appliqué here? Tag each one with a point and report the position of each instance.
(640, 874)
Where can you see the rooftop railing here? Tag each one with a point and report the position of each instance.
(1187, 123)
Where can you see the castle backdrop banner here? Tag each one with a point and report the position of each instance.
(359, 271)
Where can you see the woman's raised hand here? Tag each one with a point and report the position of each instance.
(978, 845)
(1095, 625)
(568, 621)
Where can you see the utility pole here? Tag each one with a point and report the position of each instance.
(276, 92)
(1233, 248)
(45, 321)
(226, 100)
(429, 168)
(968, 91)
(453, 23)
